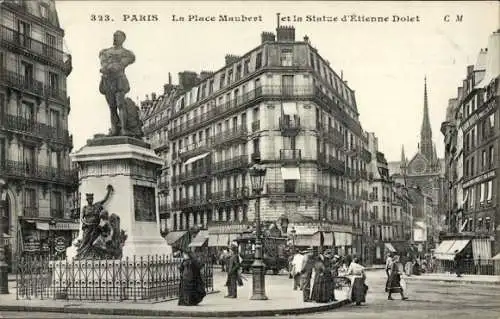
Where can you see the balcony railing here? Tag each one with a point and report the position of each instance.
(332, 193)
(296, 189)
(30, 211)
(24, 42)
(331, 163)
(202, 171)
(195, 149)
(264, 92)
(15, 169)
(289, 124)
(239, 162)
(290, 156)
(233, 194)
(333, 135)
(366, 155)
(41, 130)
(27, 84)
(236, 134)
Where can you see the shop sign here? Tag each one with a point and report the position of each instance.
(31, 243)
(60, 243)
(65, 226)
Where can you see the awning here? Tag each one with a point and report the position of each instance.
(218, 240)
(497, 257)
(42, 226)
(290, 173)
(442, 249)
(348, 239)
(328, 239)
(458, 245)
(481, 248)
(289, 108)
(308, 240)
(194, 159)
(200, 239)
(174, 236)
(340, 239)
(390, 247)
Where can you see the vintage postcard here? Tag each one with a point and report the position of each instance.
(304, 159)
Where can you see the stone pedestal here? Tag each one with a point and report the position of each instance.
(131, 167)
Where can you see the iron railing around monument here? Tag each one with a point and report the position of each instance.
(151, 278)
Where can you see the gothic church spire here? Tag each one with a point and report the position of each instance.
(426, 131)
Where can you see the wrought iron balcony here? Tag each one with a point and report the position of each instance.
(332, 193)
(14, 39)
(292, 189)
(30, 211)
(21, 124)
(240, 193)
(331, 163)
(366, 155)
(235, 135)
(38, 173)
(164, 208)
(195, 149)
(271, 92)
(19, 82)
(289, 125)
(290, 156)
(333, 135)
(200, 172)
(239, 162)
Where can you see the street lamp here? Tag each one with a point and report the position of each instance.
(257, 173)
(294, 234)
(4, 280)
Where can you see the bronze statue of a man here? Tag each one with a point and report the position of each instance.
(114, 84)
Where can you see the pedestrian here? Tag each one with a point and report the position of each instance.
(224, 256)
(298, 263)
(319, 286)
(388, 265)
(336, 264)
(307, 274)
(358, 286)
(458, 263)
(328, 277)
(191, 287)
(394, 282)
(233, 273)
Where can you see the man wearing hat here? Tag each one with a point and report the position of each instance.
(233, 274)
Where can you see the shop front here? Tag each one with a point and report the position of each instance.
(46, 237)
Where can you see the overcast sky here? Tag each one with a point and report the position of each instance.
(385, 63)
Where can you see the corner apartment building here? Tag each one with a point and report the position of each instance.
(281, 105)
(37, 182)
(474, 209)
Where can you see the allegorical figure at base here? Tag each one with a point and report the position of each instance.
(102, 237)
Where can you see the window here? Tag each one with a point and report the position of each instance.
(56, 205)
(290, 186)
(481, 200)
(238, 72)
(258, 60)
(491, 156)
(29, 158)
(311, 56)
(489, 191)
(211, 87)
(483, 159)
(2, 152)
(51, 45)
(256, 146)
(24, 32)
(229, 76)
(246, 65)
(222, 80)
(55, 160)
(286, 57)
(492, 123)
(487, 224)
(30, 201)
(44, 11)
(471, 194)
(27, 72)
(287, 85)
(55, 120)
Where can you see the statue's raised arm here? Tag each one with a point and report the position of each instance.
(109, 189)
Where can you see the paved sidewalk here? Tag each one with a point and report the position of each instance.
(447, 277)
(282, 301)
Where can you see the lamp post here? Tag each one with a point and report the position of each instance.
(4, 280)
(257, 173)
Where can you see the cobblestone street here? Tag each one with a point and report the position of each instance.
(427, 300)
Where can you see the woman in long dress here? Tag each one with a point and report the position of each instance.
(358, 286)
(394, 282)
(319, 285)
(191, 287)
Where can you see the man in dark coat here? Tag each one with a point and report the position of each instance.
(458, 263)
(306, 276)
(233, 267)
